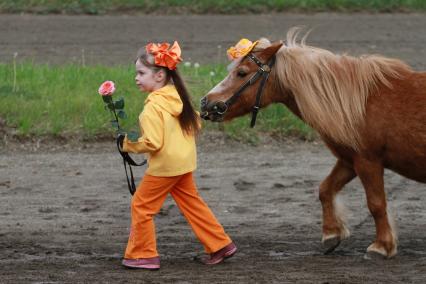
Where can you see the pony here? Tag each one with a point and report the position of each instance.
(370, 111)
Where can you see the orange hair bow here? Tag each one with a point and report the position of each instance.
(164, 55)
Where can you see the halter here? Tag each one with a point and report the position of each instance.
(263, 71)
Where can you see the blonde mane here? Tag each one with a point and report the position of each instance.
(330, 90)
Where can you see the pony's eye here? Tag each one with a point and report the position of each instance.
(241, 73)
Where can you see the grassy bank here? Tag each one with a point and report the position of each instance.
(63, 101)
(205, 6)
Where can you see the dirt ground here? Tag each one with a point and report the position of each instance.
(65, 218)
(204, 38)
(65, 207)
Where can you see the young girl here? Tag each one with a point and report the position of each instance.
(169, 125)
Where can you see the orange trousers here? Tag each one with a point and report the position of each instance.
(147, 201)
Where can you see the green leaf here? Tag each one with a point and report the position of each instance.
(114, 124)
(119, 104)
(111, 106)
(133, 136)
(121, 114)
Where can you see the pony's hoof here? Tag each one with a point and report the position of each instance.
(375, 253)
(330, 244)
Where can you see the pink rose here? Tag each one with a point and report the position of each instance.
(107, 88)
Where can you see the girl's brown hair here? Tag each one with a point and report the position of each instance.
(189, 120)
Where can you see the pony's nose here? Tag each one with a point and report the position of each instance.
(220, 107)
(203, 103)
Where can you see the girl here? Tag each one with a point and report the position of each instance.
(168, 125)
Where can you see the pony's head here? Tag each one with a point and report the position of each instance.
(236, 94)
(328, 91)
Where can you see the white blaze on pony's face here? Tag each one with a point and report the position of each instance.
(240, 71)
(227, 82)
(221, 87)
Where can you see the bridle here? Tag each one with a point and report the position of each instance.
(263, 72)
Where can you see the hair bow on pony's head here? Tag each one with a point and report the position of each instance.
(164, 55)
(241, 49)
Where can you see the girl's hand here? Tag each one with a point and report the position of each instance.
(120, 139)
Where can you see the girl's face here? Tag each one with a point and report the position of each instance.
(147, 79)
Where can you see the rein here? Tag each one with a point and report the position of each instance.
(129, 162)
(263, 72)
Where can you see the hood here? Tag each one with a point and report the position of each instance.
(167, 98)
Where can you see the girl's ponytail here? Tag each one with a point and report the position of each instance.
(189, 120)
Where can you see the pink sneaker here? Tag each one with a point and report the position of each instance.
(220, 255)
(152, 263)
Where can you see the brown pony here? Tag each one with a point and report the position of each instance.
(370, 111)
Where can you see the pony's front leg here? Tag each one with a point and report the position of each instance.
(371, 175)
(334, 228)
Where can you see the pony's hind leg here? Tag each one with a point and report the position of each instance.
(334, 228)
(371, 175)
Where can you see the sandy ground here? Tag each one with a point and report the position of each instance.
(65, 208)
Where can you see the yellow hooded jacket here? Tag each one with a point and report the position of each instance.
(169, 151)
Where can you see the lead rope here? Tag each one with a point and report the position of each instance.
(128, 161)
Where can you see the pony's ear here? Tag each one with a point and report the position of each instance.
(271, 50)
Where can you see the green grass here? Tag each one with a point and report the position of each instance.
(62, 100)
(205, 6)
